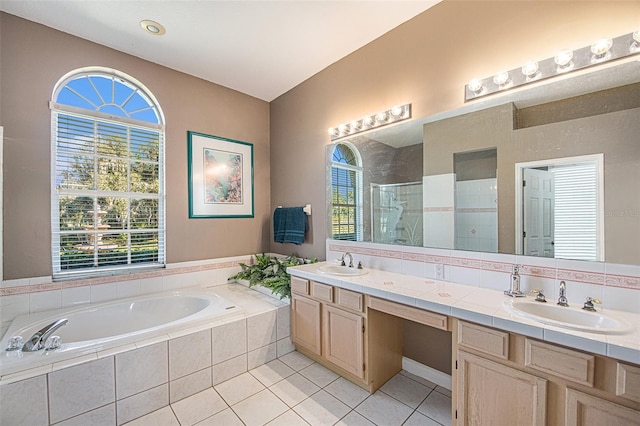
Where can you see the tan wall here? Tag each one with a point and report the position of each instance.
(426, 61)
(33, 59)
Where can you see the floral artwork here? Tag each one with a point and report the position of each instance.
(222, 177)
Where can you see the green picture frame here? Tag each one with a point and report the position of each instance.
(220, 177)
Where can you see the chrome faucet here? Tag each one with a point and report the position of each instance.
(350, 260)
(514, 288)
(562, 300)
(37, 341)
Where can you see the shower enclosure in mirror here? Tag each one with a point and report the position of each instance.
(396, 213)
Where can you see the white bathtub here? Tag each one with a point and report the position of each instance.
(94, 328)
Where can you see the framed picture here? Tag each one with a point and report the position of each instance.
(220, 177)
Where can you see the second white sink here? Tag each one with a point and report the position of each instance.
(340, 270)
(569, 317)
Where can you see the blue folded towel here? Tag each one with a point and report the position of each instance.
(289, 225)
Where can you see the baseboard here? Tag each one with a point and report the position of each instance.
(427, 373)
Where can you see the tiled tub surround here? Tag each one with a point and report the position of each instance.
(99, 327)
(483, 305)
(120, 384)
(38, 294)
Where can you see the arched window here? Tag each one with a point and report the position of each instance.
(108, 174)
(346, 193)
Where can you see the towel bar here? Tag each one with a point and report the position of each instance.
(306, 209)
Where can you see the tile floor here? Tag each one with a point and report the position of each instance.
(294, 390)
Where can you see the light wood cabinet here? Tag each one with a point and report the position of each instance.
(344, 340)
(305, 323)
(494, 394)
(503, 378)
(331, 326)
(586, 410)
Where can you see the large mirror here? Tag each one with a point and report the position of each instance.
(550, 171)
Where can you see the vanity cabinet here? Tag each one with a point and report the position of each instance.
(331, 326)
(506, 378)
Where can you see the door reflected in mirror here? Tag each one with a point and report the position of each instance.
(561, 208)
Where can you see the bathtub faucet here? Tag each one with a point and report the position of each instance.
(37, 341)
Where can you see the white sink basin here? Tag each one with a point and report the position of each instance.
(344, 271)
(569, 317)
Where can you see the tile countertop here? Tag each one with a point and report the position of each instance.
(481, 306)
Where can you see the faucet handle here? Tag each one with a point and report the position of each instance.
(588, 305)
(539, 295)
(15, 343)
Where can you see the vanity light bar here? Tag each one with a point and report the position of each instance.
(565, 61)
(369, 122)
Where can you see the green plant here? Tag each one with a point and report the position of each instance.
(270, 272)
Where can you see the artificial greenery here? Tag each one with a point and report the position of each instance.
(270, 272)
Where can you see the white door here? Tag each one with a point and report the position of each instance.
(538, 198)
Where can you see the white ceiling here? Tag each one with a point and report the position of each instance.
(262, 48)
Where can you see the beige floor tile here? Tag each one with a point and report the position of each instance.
(347, 392)
(296, 360)
(405, 390)
(321, 409)
(437, 407)
(294, 389)
(260, 408)
(272, 372)
(418, 379)
(382, 409)
(319, 375)
(289, 418)
(239, 388)
(418, 419)
(354, 419)
(224, 418)
(161, 417)
(198, 407)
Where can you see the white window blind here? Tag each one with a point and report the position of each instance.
(575, 212)
(346, 195)
(107, 190)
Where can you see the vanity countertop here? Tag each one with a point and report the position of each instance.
(481, 306)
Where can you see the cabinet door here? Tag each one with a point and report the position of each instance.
(493, 394)
(305, 323)
(344, 340)
(583, 409)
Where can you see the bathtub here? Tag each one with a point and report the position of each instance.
(95, 328)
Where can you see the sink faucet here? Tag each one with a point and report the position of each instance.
(37, 341)
(514, 288)
(350, 260)
(562, 300)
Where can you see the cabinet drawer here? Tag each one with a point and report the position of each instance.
(349, 299)
(569, 364)
(487, 340)
(322, 291)
(628, 382)
(299, 286)
(407, 312)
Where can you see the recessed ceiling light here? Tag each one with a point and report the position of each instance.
(152, 27)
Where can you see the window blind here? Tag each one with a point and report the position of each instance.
(575, 212)
(108, 195)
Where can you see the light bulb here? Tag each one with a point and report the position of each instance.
(343, 129)
(475, 85)
(396, 111)
(601, 47)
(368, 120)
(355, 125)
(381, 117)
(564, 60)
(530, 69)
(501, 78)
(333, 131)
